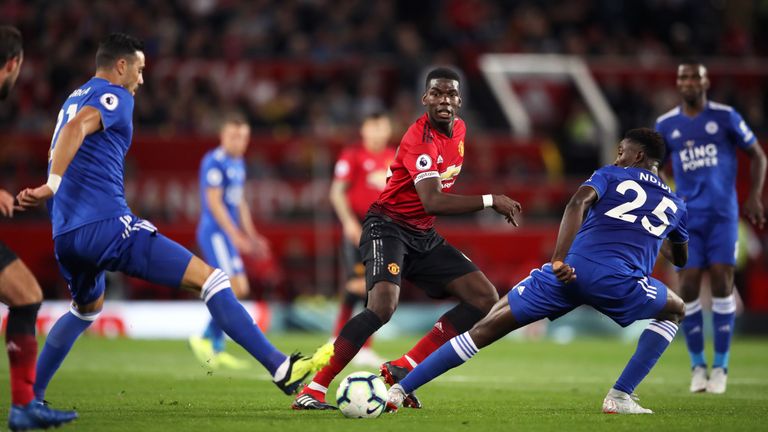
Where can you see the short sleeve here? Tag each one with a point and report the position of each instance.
(420, 159)
(343, 168)
(680, 233)
(212, 173)
(114, 104)
(744, 135)
(598, 181)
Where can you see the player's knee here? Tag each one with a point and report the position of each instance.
(675, 309)
(18, 287)
(382, 300)
(384, 312)
(486, 300)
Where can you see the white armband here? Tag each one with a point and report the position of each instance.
(487, 200)
(53, 182)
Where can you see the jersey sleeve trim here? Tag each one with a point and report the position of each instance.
(426, 175)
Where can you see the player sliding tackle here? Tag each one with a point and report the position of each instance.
(94, 231)
(630, 214)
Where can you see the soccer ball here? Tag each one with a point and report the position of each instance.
(361, 395)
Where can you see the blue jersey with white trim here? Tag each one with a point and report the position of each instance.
(635, 211)
(92, 188)
(220, 170)
(703, 153)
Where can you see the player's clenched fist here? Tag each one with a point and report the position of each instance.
(564, 272)
(507, 207)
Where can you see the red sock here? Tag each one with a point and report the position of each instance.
(441, 333)
(343, 352)
(22, 356)
(345, 313)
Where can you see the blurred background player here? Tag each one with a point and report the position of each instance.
(399, 240)
(630, 212)
(19, 289)
(359, 177)
(226, 228)
(99, 234)
(702, 137)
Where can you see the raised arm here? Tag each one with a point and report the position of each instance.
(436, 202)
(753, 207)
(573, 217)
(87, 121)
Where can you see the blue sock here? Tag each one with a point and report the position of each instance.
(723, 319)
(232, 318)
(453, 353)
(693, 328)
(653, 341)
(216, 335)
(57, 345)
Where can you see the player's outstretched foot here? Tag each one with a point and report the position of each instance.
(698, 379)
(37, 415)
(392, 375)
(310, 400)
(299, 368)
(395, 398)
(202, 348)
(227, 360)
(717, 381)
(618, 402)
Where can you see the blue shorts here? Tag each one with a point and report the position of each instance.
(713, 240)
(219, 251)
(624, 299)
(126, 244)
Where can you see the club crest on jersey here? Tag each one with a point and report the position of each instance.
(109, 101)
(461, 148)
(393, 268)
(423, 162)
(711, 127)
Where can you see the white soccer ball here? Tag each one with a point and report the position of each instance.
(361, 395)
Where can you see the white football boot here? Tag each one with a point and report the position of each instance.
(699, 379)
(717, 381)
(618, 402)
(395, 398)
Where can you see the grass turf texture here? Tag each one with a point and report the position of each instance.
(128, 385)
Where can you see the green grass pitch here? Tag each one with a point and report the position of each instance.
(128, 385)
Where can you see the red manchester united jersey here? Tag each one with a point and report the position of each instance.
(366, 173)
(424, 153)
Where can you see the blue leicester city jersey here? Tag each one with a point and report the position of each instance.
(635, 211)
(220, 170)
(92, 187)
(703, 153)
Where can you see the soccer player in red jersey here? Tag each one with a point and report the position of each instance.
(360, 175)
(399, 240)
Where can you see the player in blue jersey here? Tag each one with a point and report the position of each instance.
(19, 289)
(630, 216)
(702, 137)
(226, 228)
(94, 231)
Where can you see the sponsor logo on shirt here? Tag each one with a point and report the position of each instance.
(693, 157)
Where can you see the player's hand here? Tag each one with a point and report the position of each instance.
(508, 208)
(242, 243)
(352, 232)
(6, 203)
(261, 247)
(564, 272)
(755, 212)
(29, 198)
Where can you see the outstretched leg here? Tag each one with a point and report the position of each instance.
(652, 343)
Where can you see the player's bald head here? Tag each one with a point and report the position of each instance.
(115, 47)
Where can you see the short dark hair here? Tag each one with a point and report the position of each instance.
(116, 46)
(233, 117)
(10, 43)
(651, 142)
(690, 61)
(442, 72)
(374, 115)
